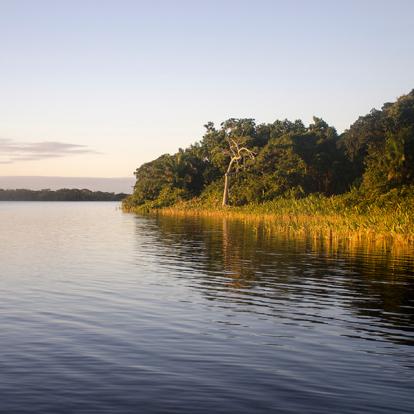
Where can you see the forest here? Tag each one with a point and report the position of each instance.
(286, 160)
(64, 194)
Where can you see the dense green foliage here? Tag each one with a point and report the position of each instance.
(375, 155)
(64, 194)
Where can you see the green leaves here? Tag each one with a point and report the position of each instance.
(375, 155)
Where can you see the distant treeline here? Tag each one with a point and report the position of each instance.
(286, 159)
(64, 194)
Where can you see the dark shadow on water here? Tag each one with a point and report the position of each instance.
(251, 269)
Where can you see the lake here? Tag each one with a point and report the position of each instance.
(107, 312)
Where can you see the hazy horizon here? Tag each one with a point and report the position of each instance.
(107, 184)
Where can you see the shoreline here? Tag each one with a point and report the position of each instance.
(369, 228)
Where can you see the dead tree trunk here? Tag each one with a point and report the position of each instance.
(226, 189)
(237, 154)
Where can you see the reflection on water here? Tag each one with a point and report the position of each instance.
(102, 311)
(238, 262)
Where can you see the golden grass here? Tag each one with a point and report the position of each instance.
(385, 228)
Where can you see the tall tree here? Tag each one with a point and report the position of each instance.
(237, 140)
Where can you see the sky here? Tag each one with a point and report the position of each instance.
(98, 87)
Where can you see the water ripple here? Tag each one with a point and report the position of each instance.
(104, 312)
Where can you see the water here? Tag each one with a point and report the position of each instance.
(105, 312)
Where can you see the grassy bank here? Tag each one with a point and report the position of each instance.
(380, 218)
(277, 172)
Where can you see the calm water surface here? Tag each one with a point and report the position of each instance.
(105, 312)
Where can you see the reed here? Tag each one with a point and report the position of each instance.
(388, 219)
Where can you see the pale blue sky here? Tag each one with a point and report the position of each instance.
(125, 81)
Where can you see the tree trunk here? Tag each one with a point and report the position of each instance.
(226, 190)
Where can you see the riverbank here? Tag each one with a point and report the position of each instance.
(383, 218)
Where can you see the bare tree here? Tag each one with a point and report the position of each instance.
(238, 154)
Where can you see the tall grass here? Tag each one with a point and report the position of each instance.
(386, 218)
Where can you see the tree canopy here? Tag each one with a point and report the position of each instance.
(376, 154)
